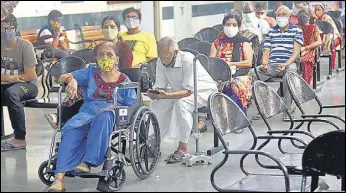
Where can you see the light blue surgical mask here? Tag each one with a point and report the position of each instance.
(7, 36)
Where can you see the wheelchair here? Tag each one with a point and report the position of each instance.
(132, 127)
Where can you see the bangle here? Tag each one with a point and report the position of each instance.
(68, 79)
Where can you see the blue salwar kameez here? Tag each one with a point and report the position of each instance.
(85, 137)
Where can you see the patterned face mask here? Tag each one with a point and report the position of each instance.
(107, 64)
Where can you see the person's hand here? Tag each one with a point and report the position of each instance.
(71, 88)
(15, 78)
(281, 68)
(264, 65)
(303, 49)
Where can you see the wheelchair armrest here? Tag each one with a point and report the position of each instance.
(129, 85)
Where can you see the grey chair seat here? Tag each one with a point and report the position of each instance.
(203, 110)
(265, 183)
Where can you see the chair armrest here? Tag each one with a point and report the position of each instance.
(317, 120)
(317, 115)
(333, 106)
(283, 137)
(291, 132)
(129, 85)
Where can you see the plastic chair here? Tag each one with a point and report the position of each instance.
(201, 47)
(207, 34)
(194, 52)
(186, 42)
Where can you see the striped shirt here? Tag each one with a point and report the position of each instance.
(281, 43)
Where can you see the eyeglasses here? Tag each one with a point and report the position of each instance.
(10, 29)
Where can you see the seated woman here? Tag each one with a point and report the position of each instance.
(85, 136)
(111, 28)
(237, 52)
(326, 42)
(312, 40)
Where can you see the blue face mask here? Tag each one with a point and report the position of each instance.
(7, 37)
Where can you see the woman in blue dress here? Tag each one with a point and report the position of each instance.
(85, 136)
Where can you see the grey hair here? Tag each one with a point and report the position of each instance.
(168, 41)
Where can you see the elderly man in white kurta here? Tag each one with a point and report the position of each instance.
(175, 103)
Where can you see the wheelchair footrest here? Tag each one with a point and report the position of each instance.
(93, 175)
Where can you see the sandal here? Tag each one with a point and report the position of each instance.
(257, 117)
(176, 157)
(55, 187)
(82, 168)
(52, 119)
(9, 147)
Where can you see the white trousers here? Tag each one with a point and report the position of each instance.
(175, 115)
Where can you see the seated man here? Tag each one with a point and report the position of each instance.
(18, 79)
(174, 107)
(142, 44)
(51, 34)
(85, 136)
(281, 49)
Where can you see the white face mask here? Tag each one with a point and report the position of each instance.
(249, 17)
(263, 16)
(282, 21)
(230, 31)
(131, 23)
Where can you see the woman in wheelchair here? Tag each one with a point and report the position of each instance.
(85, 136)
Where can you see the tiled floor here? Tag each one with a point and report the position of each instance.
(19, 168)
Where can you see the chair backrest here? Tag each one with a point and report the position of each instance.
(63, 66)
(325, 27)
(299, 88)
(218, 27)
(194, 52)
(134, 74)
(326, 153)
(259, 55)
(343, 20)
(208, 34)
(201, 47)
(149, 68)
(226, 115)
(86, 54)
(268, 102)
(186, 42)
(218, 69)
(39, 68)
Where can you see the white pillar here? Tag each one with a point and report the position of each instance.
(182, 19)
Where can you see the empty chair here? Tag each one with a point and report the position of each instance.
(301, 93)
(229, 118)
(207, 34)
(148, 69)
(186, 42)
(218, 69)
(86, 54)
(218, 27)
(325, 154)
(201, 47)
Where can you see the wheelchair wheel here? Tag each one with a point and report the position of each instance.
(47, 177)
(117, 177)
(144, 142)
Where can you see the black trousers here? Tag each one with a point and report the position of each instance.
(12, 96)
(68, 112)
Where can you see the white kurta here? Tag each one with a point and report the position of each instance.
(175, 115)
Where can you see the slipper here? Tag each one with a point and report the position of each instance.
(57, 187)
(203, 129)
(257, 117)
(9, 147)
(176, 157)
